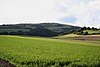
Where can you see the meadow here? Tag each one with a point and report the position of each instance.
(46, 52)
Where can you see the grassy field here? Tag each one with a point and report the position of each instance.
(46, 52)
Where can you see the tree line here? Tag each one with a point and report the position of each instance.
(81, 31)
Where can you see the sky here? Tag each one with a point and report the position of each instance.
(73, 12)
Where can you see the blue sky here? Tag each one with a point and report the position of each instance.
(74, 12)
(68, 19)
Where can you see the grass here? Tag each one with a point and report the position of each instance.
(67, 37)
(45, 52)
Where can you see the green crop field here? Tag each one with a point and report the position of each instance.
(46, 52)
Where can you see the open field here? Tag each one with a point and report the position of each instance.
(94, 39)
(46, 52)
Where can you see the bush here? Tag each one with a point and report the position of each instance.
(86, 33)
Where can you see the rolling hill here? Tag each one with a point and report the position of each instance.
(42, 29)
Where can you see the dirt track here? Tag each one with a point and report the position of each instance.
(4, 63)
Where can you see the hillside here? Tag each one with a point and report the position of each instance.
(87, 31)
(92, 31)
(42, 29)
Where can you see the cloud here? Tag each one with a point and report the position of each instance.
(26, 10)
(86, 11)
(80, 12)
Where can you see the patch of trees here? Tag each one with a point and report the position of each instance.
(81, 31)
(33, 32)
(42, 32)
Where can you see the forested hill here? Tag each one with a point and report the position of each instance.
(42, 29)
